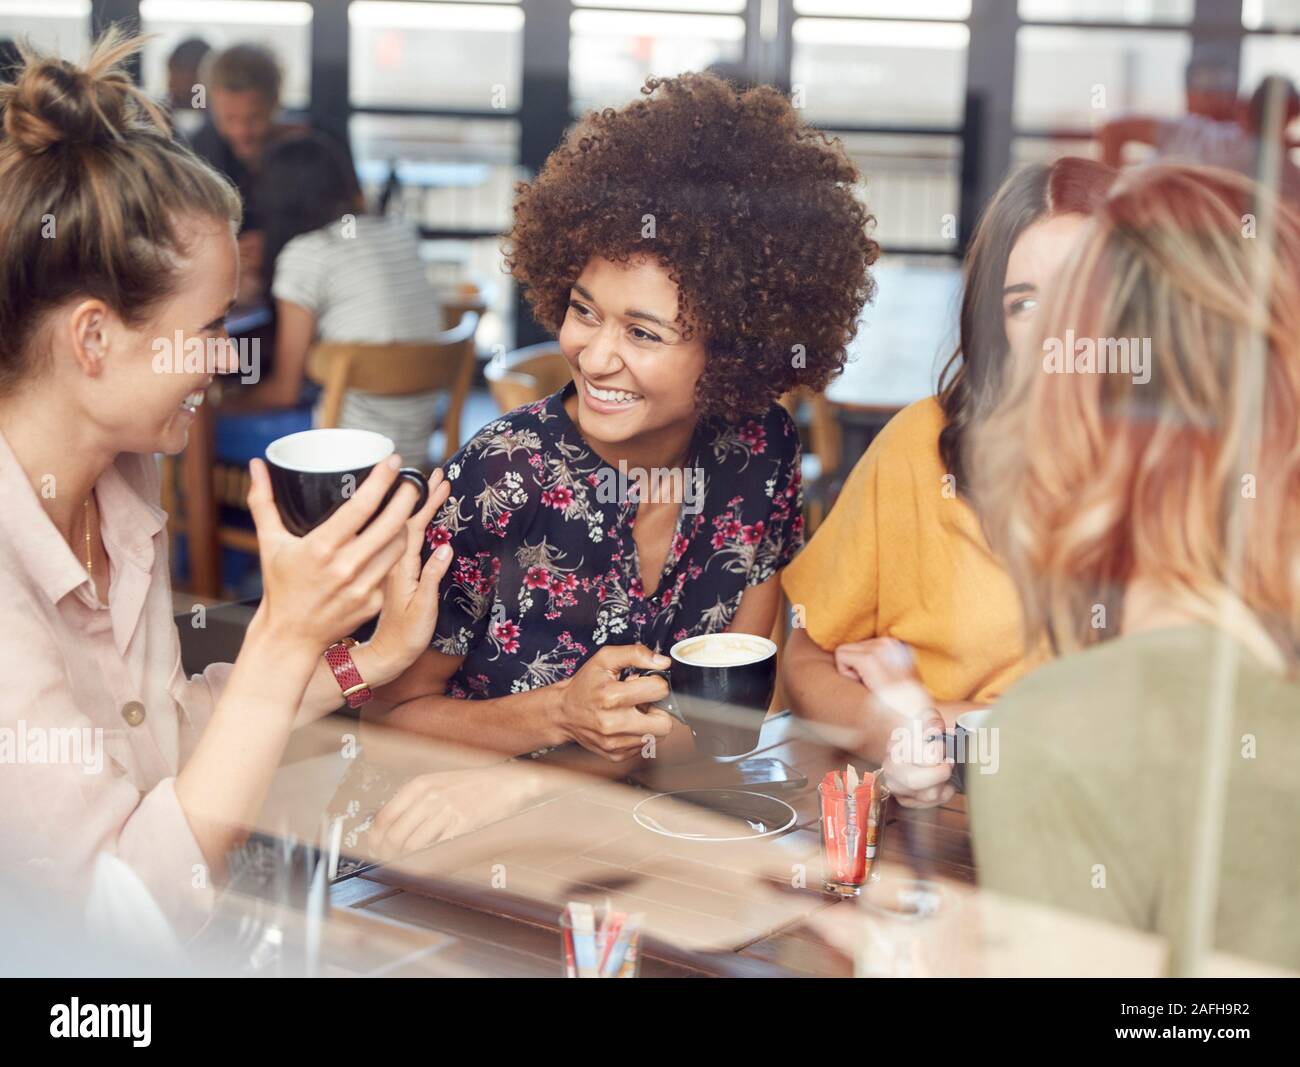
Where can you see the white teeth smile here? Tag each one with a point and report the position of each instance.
(194, 401)
(612, 396)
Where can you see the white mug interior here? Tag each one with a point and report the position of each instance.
(974, 719)
(769, 647)
(327, 451)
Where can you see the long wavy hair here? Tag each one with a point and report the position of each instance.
(1189, 482)
(970, 383)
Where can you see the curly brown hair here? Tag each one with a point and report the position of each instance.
(754, 217)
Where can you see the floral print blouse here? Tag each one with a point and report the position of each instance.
(546, 567)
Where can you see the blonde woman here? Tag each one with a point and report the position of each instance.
(1150, 518)
(114, 237)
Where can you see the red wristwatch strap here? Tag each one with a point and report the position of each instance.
(354, 687)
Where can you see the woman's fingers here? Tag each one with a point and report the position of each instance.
(388, 524)
(927, 798)
(640, 689)
(435, 568)
(432, 804)
(912, 778)
(617, 749)
(617, 658)
(374, 573)
(407, 795)
(631, 720)
(340, 527)
(261, 503)
(435, 827)
(439, 490)
(417, 526)
(657, 721)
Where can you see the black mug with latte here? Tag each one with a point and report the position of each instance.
(313, 473)
(721, 686)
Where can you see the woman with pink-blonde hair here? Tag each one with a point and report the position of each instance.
(1148, 509)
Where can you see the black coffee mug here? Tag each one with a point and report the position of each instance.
(723, 704)
(315, 472)
(962, 745)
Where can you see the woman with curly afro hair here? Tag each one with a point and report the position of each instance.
(698, 253)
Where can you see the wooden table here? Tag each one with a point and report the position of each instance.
(735, 908)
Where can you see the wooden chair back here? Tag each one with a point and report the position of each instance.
(444, 363)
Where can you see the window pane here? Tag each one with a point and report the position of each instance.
(1076, 79)
(284, 26)
(458, 56)
(455, 174)
(725, 6)
(1135, 11)
(906, 335)
(1046, 149)
(1261, 56)
(61, 27)
(909, 9)
(880, 73)
(452, 262)
(613, 52)
(912, 186)
(1273, 14)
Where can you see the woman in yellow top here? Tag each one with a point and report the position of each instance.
(907, 615)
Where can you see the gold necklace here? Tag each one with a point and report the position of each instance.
(90, 567)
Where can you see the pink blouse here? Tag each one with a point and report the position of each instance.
(96, 713)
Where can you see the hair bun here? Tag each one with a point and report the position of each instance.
(54, 102)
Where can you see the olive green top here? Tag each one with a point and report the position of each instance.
(1091, 807)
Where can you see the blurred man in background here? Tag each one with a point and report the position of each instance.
(1209, 133)
(182, 81)
(243, 84)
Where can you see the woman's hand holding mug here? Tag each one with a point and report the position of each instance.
(915, 767)
(604, 714)
(322, 586)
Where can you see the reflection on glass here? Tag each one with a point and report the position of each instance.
(613, 52)
(463, 56)
(453, 262)
(911, 9)
(1136, 11)
(880, 73)
(1046, 149)
(1079, 78)
(58, 26)
(1273, 14)
(703, 6)
(1261, 56)
(912, 187)
(284, 26)
(454, 174)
